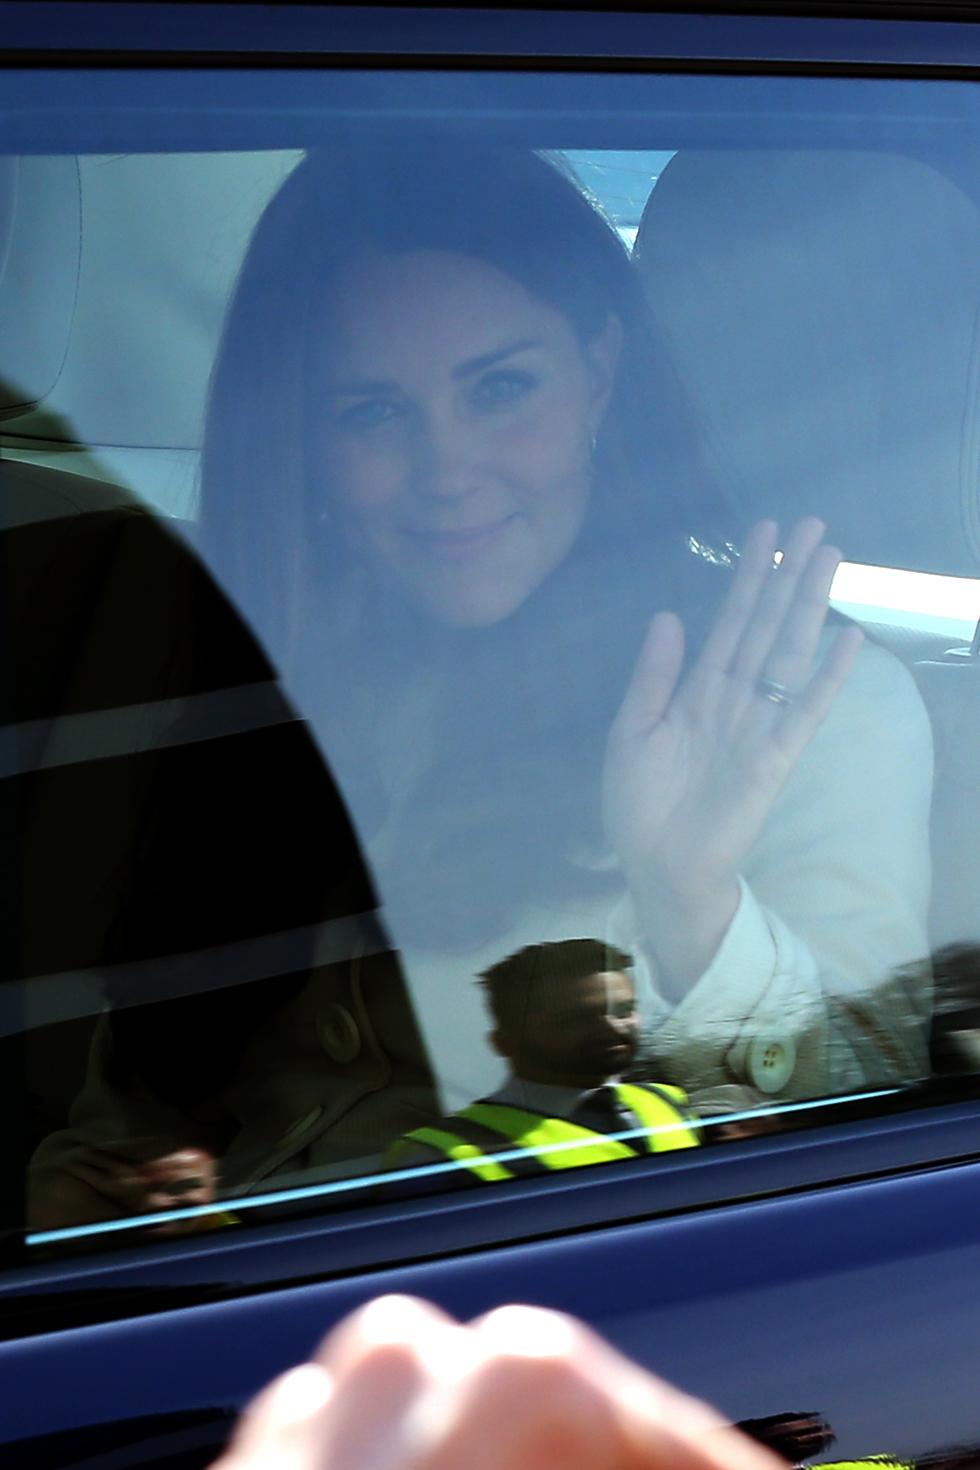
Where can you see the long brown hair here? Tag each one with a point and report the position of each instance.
(549, 680)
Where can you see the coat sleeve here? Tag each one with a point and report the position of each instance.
(821, 984)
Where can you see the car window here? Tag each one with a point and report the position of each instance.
(490, 614)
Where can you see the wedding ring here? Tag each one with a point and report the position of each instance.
(777, 693)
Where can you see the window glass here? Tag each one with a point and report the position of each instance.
(489, 604)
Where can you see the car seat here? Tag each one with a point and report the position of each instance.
(822, 309)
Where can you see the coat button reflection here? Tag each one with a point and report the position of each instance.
(338, 1032)
(771, 1062)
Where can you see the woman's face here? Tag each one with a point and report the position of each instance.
(458, 413)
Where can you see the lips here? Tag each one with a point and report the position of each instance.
(615, 1051)
(459, 541)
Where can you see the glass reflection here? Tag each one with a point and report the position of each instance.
(564, 1019)
(547, 685)
(486, 487)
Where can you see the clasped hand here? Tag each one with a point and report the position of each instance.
(400, 1386)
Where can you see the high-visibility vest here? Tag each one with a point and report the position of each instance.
(870, 1462)
(483, 1129)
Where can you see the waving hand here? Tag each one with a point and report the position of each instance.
(696, 758)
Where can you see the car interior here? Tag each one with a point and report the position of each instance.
(811, 365)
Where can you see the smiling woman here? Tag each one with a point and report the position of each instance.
(452, 481)
(467, 472)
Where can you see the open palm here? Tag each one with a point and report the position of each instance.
(695, 761)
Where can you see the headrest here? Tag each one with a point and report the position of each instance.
(823, 308)
(110, 313)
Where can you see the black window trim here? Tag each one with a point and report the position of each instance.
(892, 40)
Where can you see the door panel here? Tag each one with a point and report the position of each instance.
(857, 1303)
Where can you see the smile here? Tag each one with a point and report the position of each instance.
(453, 544)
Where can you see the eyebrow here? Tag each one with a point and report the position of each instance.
(487, 359)
(366, 388)
(363, 388)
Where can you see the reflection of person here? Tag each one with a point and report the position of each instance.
(955, 1041)
(448, 474)
(799, 1437)
(795, 1437)
(237, 1030)
(400, 1384)
(564, 1017)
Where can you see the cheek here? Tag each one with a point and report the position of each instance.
(364, 478)
(548, 452)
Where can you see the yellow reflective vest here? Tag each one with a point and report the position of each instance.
(870, 1462)
(496, 1141)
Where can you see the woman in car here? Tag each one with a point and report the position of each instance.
(451, 482)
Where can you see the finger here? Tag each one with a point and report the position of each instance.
(550, 1395)
(391, 1320)
(384, 1361)
(280, 1427)
(654, 678)
(525, 1405)
(754, 569)
(673, 1444)
(803, 719)
(636, 1406)
(666, 1429)
(791, 658)
(775, 598)
(183, 1172)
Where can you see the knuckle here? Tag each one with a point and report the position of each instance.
(552, 1384)
(397, 1360)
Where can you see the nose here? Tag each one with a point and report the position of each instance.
(622, 1026)
(445, 459)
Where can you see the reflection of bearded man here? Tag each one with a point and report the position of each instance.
(565, 1017)
(564, 1014)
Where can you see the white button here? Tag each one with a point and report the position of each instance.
(771, 1062)
(339, 1034)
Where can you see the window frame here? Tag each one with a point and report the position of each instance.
(39, 1296)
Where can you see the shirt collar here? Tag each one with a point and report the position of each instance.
(541, 1097)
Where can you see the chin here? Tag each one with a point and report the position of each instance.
(470, 607)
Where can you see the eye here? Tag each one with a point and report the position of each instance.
(368, 414)
(503, 388)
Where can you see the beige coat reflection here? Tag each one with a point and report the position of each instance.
(317, 1093)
